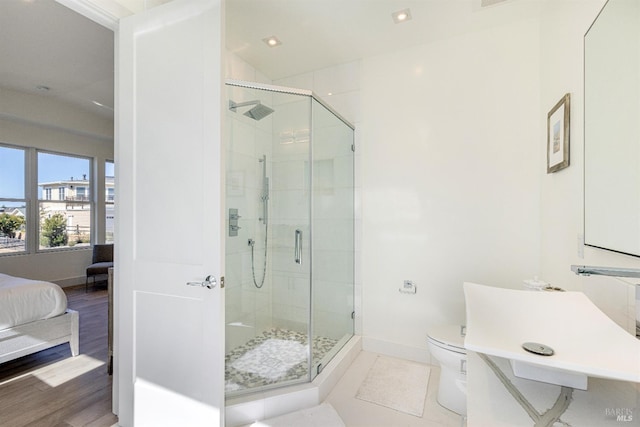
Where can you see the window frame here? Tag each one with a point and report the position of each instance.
(109, 201)
(38, 202)
(25, 200)
(32, 198)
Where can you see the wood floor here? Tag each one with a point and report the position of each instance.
(53, 389)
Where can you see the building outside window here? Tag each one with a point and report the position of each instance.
(65, 220)
(82, 193)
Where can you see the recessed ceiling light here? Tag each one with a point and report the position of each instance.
(401, 16)
(272, 41)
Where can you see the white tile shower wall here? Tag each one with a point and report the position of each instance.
(333, 207)
(248, 309)
(339, 87)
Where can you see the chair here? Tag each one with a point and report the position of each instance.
(100, 263)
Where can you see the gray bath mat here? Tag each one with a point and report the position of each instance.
(396, 384)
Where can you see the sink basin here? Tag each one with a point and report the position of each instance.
(585, 341)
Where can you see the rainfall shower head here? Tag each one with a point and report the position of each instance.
(258, 112)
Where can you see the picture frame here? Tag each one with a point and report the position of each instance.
(558, 125)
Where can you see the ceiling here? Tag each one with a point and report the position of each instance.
(45, 44)
(320, 33)
(42, 43)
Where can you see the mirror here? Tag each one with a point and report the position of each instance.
(612, 129)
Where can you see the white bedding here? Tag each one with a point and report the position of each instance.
(23, 300)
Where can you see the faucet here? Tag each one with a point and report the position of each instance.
(585, 270)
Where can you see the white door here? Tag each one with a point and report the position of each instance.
(168, 155)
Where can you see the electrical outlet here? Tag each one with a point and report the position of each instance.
(408, 287)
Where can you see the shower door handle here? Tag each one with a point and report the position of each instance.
(298, 247)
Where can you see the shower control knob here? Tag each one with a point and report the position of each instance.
(209, 282)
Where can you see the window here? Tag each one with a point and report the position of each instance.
(65, 220)
(82, 193)
(13, 202)
(109, 182)
(47, 201)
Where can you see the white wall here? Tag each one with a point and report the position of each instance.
(563, 25)
(450, 142)
(447, 165)
(451, 172)
(38, 121)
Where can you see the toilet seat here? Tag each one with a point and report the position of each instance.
(447, 337)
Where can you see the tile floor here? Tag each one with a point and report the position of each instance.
(277, 355)
(355, 412)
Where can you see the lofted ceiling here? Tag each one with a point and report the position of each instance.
(320, 33)
(44, 44)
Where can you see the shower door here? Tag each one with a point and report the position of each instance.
(333, 234)
(268, 263)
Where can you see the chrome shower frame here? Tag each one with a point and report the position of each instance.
(283, 89)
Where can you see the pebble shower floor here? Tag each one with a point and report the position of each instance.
(278, 355)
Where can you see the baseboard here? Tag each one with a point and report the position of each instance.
(72, 281)
(393, 349)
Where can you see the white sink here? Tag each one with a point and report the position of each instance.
(545, 374)
(585, 341)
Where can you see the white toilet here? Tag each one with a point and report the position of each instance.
(446, 345)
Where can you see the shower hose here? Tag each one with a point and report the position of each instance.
(264, 267)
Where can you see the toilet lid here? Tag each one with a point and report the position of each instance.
(447, 336)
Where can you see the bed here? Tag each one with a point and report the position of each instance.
(34, 316)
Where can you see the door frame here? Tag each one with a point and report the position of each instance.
(110, 20)
(108, 13)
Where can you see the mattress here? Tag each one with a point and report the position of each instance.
(23, 301)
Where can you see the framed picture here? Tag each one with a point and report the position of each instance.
(558, 135)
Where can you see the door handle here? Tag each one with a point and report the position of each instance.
(298, 247)
(209, 282)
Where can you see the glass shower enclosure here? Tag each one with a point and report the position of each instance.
(289, 236)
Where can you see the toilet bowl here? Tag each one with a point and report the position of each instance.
(446, 345)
